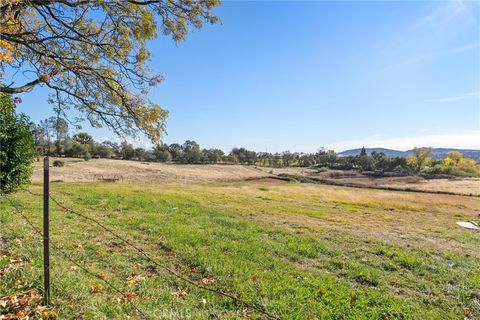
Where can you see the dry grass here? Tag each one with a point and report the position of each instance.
(464, 186)
(78, 170)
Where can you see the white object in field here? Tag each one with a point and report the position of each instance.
(468, 225)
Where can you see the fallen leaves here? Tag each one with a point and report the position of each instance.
(23, 306)
(133, 279)
(15, 262)
(45, 312)
(207, 281)
(98, 288)
(180, 293)
(127, 297)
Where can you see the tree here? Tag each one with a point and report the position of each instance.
(139, 153)
(161, 153)
(128, 152)
(243, 155)
(326, 158)
(380, 162)
(191, 152)
(363, 152)
(60, 127)
(17, 148)
(176, 152)
(455, 163)
(419, 159)
(83, 138)
(453, 158)
(93, 54)
(38, 137)
(211, 155)
(77, 150)
(288, 158)
(102, 151)
(46, 129)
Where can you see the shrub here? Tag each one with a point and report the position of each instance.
(17, 147)
(87, 156)
(58, 163)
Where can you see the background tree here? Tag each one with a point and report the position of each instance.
(102, 150)
(453, 158)
(419, 159)
(191, 152)
(176, 152)
(161, 153)
(83, 138)
(288, 158)
(363, 152)
(60, 127)
(326, 158)
(93, 54)
(139, 153)
(46, 129)
(37, 135)
(17, 148)
(128, 152)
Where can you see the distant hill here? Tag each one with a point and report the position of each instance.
(388, 152)
(436, 152)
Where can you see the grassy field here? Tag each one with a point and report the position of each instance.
(301, 251)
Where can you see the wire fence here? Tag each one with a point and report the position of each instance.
(73, 261)
(237, 300)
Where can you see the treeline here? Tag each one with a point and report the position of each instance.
(51, 138)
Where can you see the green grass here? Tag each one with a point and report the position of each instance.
(300, 251)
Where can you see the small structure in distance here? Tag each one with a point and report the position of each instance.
(115, 178)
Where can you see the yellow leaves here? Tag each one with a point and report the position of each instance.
(44, 77)
(7, 52)
(142, 55)
(75, 46)
(456, 161)
(133, 279)
(448, 162)
(45, 313)
(98, 288)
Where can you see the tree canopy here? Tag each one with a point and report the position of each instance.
(92, 54)
(17, 147)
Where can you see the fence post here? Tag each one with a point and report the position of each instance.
(46, 253)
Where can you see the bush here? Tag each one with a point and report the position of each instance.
(58, 163)
(87, 156)
(17, 147)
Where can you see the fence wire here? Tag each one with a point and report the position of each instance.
(77, 264)
(254, 307)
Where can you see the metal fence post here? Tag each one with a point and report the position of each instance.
(46, 253)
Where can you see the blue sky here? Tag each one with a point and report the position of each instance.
(303, 75)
